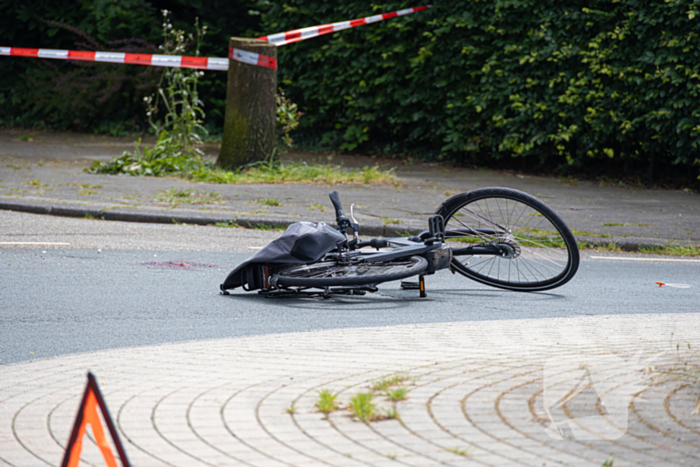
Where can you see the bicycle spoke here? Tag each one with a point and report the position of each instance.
(538, 247)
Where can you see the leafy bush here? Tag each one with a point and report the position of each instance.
(569, 83)
(102, 96)
(164, 158)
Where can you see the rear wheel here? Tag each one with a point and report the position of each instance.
(330, 273)
(535, 249)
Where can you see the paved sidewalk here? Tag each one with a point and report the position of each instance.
(43, 173)
(477, 395)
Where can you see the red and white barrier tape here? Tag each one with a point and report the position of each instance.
(206, 63)
(313, 31)
(252, 58)
(202, 63)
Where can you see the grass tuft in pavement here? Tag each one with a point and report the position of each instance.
(672, 249)
(184, 196)
(363, 408)
(326, 402)
(396, 394)
(384, 384)
(272, 171)
(299, 172)
(458, 451)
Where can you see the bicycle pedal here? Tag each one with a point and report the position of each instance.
(408, 285)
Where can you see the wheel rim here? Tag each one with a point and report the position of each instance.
(331, 274)
(543, 257)
(331, 270)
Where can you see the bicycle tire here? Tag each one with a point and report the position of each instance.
(330, 273)
(545, 253)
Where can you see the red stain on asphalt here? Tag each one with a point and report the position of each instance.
(177, 265)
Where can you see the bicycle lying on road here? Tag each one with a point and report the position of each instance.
(497, 236)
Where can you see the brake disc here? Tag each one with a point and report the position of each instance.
(510, 247)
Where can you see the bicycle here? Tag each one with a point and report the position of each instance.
(500, 237)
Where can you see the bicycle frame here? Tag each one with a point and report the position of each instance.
(413, 246)
(429, 244)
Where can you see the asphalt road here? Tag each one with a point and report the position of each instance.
(108, 290)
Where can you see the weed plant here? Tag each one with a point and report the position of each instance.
(288, 116)
(177, 93)
(610, 247)
(684, 370)
(180, 128)
(672, 249)
(326, 402)
(164, 160)
(386, 383)
(396, 394)
(181, 196)
(227, 225)
(390, 414)
(363, 408)
(458, 451)
(392, 221)
(270, 202)
(292, 409)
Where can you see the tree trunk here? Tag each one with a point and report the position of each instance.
(250, 132)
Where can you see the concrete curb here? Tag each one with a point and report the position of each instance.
(157, 217)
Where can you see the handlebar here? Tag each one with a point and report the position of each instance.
(374, 243)
(343, 222)
(335, 199)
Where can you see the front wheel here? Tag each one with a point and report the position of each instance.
(330, 273)
(506, 238)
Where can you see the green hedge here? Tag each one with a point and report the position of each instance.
(569, 82)
(563, 83)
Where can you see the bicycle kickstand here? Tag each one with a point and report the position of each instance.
(420, 285)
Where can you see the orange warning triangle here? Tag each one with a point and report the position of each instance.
(87, 415)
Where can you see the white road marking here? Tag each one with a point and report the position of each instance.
(33, 243)
(677, 286)
(646, 259)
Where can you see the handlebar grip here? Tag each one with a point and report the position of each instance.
(335, 199)
(379, 243)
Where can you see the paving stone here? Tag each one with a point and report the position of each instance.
(173, 404)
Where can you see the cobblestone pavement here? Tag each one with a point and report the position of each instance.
(477, 394)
